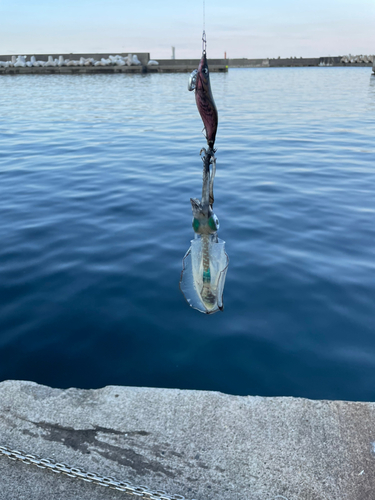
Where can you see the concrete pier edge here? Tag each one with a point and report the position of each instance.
(203, 445)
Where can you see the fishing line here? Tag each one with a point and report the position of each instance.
(204, 42)
(204, 15)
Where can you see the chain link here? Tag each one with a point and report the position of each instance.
(90, 477)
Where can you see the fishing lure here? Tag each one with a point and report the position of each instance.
(199, 81)
(206, 262)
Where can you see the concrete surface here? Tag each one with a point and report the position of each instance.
(204, 445)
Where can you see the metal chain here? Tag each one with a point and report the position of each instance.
(90, 477)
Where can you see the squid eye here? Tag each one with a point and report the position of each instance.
(205, 71)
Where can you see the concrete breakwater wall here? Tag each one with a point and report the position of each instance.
(172, 65)
(100, 63)
(187, 65)
(294, 62)
(74, 63)
(143, 57)
(88, 63)
(203, 445)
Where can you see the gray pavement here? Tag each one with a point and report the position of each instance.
(203, 445)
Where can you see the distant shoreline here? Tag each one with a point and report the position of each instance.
(55, 64)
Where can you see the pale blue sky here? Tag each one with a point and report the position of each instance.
(268, 28)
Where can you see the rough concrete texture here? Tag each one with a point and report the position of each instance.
(204, 445)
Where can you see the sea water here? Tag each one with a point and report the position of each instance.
(96, 172)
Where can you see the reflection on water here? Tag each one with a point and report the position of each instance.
(372, 91)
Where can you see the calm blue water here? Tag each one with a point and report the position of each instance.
(96, 173)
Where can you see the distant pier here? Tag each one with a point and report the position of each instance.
(140, 62)
(100, 63)
(294, 62)
(187, 65)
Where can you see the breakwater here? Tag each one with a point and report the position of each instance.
(74, 63)
(294, 62)
(188, 65)
(140, 62)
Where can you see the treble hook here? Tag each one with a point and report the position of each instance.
(204, 42)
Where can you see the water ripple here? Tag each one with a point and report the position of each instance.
(96, 174)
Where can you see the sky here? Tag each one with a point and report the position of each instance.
(241, 28)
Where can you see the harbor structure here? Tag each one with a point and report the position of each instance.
(140, 62)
